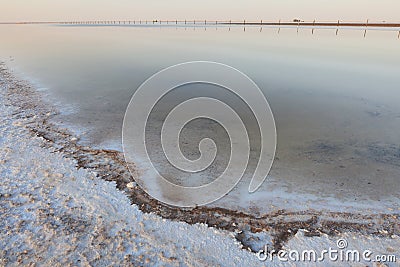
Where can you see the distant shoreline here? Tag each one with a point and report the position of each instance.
(213, 22)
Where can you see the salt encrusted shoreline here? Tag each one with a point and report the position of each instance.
(53, 211)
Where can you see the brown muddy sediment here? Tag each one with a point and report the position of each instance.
(110, 165)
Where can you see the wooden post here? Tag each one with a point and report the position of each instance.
(337, 29)
(366, 25)
(279, 29)
(312, 31)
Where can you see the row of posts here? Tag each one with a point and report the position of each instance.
(130, 22)
(119, 22)
(176, 22)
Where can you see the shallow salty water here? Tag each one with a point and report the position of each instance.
(335, 98)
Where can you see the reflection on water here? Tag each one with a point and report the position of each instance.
(335, 98)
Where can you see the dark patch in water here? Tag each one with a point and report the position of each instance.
(323, 151)
(382, 153)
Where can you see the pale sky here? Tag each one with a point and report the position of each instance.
(351, 10)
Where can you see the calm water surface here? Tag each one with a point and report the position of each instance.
(335, 98)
